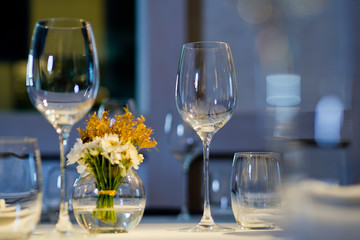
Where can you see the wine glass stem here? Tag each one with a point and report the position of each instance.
(63, 225)
(206, 219)
(184, 208)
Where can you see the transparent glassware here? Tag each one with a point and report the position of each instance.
(185, 145)
(20, 187)
(52, 191)
(205, 94)
(129, 204)
(62, 82)
(255, 189)
(115, 107)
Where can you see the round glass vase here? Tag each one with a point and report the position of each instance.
(129, 204)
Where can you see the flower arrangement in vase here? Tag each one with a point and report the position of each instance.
(108, 150)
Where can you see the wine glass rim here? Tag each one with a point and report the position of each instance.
(63, 23)
(13, 139)
(206, 45)
(251, 154)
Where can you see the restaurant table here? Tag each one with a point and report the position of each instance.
(165, 227)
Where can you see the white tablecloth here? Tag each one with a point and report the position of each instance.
(165, 228)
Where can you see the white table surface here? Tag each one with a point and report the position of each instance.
(165, 228)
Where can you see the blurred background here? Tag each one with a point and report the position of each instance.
(296, 67)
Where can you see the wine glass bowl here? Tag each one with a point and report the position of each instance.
(185, 145)
(62, 71)
(205, 96)
(183, 141)
(116, 106)
(62, 82)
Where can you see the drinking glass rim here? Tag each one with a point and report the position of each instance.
(212, 45)
(77, 23)
(251, 154)
(14, 139)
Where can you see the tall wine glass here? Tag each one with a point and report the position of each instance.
(185, 145)
(206, 97)
(62, 82)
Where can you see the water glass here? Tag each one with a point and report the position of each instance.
(255, 185)
(20, 187)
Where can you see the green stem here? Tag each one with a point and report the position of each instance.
(109, 173)
(108, 177)
(103, 170)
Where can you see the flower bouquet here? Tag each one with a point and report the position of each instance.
(108, 150)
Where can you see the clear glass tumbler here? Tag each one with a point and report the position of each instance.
(20, 187)
(255, 186)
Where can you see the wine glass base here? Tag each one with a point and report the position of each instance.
(184, 215)
(55, 234)
(207, 228)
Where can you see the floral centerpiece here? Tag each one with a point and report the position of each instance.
(108, 150)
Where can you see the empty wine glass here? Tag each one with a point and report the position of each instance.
(115, 106)
(62, 82)
(185, 145)
(206, 97)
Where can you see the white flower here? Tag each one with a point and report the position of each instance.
(113, 150)
(141, 159)
(135, 157)
(110, 143)
(116, 158)
(76, 153)
(93, 147)
(81, 168)
(110, 156)
(126, 156)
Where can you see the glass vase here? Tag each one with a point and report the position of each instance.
(128, 205)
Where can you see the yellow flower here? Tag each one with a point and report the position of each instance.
(125, 126)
